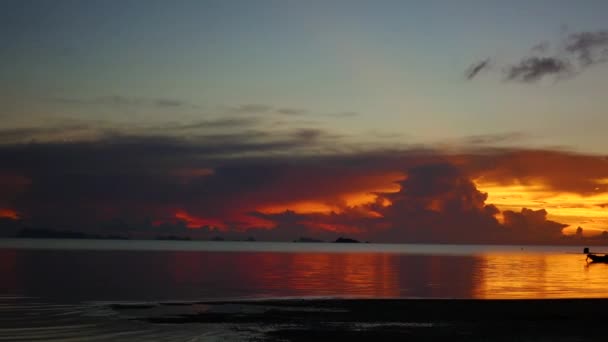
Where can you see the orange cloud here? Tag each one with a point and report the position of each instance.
(8, 213)
(339, 201)
(198, 222)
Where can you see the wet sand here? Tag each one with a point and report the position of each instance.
(392, 319)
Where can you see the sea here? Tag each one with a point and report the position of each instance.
(71, 290)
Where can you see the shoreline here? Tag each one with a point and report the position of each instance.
(308, 319)
(420, 319)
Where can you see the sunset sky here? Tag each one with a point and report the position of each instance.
(394, 121)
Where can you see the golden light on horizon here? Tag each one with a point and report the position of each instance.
(570, 208)
(194, 222)
(321, 206)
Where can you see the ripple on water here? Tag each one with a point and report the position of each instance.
(28, 319)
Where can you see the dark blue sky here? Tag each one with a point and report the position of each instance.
(398, 65)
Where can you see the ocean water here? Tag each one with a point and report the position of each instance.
(67, 288)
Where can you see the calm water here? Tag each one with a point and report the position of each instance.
(78, 270)
(60, 288)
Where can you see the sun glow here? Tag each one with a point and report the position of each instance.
(352, 200)
(8, 213)
(192, 221)
(570, 208)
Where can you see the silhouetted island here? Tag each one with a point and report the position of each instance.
(346, 240)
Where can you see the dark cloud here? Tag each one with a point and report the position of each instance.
(559, 171)
(476, 68)
(308, 134)
(494, 139)
(583, 48)
(229, 122)
(235, 180)
(588, 47)
(436, 202)
(28, 134)
(531, 69)
(291, 111)
(533, 224)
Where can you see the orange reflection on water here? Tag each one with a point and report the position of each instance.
(348, 274)
(514, 276)
(286, 274)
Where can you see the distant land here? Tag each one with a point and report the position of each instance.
(49, 233)
(32, 233)
(346, 240)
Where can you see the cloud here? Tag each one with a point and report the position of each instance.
(51, 132)
(122, 101)
(557, 171)
(589, 47)
(584, 48)
(278, 186)
(308, 134)
(494, 139)
(229, 173)
(291, 111)
(531, 69)
(228, 122)
(257, 108)
(533, 224)
(436, 203)
(476, 68)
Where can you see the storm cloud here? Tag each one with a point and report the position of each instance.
(274, 188)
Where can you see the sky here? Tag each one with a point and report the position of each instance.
(412, 121)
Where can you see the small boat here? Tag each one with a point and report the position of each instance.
(598, 258)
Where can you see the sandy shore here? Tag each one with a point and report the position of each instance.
(392, 319)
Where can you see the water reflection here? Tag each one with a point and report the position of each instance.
(69, 276)
(540, 276)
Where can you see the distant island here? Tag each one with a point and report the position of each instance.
(346, 240)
